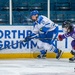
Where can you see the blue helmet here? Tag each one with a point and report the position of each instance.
(35, 12)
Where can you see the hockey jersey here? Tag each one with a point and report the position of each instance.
(43, 24)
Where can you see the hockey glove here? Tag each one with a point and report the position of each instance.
(28, 38)
(60, 37)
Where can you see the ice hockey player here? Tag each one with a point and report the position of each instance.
(46, 31)
(69, 30)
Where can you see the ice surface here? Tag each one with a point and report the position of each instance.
(36, 67)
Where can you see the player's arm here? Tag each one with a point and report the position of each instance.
(33, 35)
(61, 37)
(43, 26)
(28, 38)
(44, 29)
(47, 25)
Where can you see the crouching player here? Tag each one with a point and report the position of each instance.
(46, 31)
(69, 30)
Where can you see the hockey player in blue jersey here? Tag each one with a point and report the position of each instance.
(46, 31)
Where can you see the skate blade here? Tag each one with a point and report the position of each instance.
(41, 58)
(60, 55)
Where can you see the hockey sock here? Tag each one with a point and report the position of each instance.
(43, 52)
(56, 51)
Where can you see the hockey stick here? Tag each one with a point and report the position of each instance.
(46, 38)
(11, 45)
(24, 41)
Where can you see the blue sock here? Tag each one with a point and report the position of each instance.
(43, 52)
(56, 51)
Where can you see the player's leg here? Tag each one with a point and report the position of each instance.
(57, 51)
(72, 58)
(44, 46)
(53, 48)
(43, 52)
(73, 51)
(53, 34)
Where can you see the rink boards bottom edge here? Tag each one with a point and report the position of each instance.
(31, 55)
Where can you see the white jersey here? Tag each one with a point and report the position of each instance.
(43, 21)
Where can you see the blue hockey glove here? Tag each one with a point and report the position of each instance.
(28, 38)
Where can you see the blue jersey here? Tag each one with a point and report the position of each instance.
(45, 28)
(43, 24)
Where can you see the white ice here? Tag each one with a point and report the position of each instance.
(36, 67)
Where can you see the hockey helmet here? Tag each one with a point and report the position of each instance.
(35, 12)
(66, 24)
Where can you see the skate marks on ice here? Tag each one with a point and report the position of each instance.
(36, 67)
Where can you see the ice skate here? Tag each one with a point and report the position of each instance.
(59, 54)
(42, 56)
(72, 59)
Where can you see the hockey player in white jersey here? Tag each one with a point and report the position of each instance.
(46, 31)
